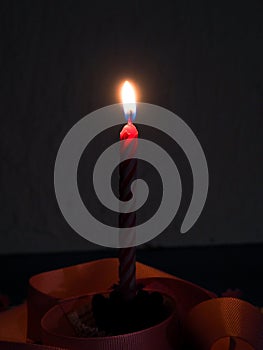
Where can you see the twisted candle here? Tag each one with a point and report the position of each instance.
(127, 172)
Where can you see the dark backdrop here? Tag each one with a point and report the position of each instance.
(62, 60)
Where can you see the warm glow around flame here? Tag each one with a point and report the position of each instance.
(128, 100)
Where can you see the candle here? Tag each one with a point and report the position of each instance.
(127, 172)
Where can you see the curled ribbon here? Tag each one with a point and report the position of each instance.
(226, 323)
(212, 323)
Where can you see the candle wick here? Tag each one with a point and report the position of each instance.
(130, 117)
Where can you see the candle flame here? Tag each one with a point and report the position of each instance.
(128, 100)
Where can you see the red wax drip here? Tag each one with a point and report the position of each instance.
(129, 131)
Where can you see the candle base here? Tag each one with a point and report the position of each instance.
(116, 316)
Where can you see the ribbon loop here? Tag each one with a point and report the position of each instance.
(226, 324)
(211, 323)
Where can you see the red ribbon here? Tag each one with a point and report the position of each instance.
(226, 323)
(212, 323)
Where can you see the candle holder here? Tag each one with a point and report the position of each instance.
(61, 327)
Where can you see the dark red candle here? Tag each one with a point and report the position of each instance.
(127, 172)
